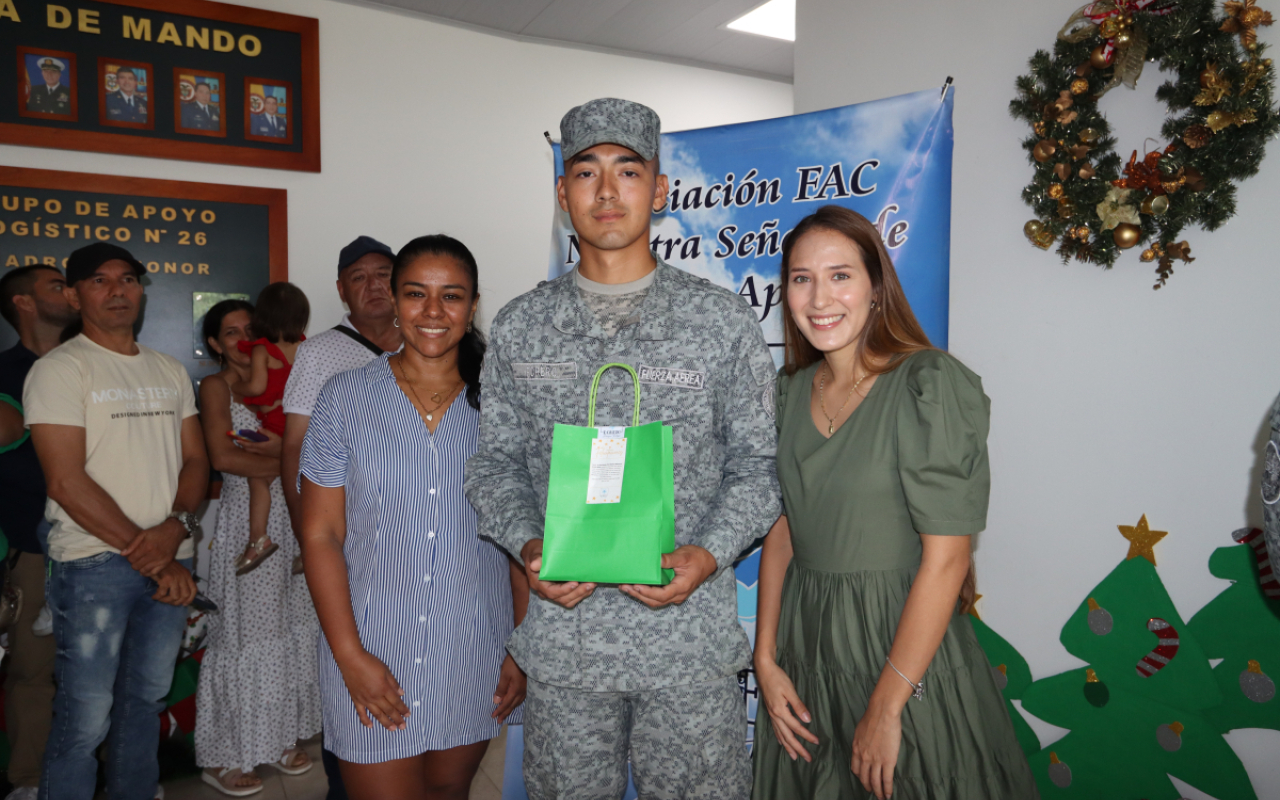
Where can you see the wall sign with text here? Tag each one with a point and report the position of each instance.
(199, 242)
(185, 79)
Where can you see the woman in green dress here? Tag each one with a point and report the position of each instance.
(864, 582)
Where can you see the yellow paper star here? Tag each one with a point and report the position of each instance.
(973, 609)
(1142, 540)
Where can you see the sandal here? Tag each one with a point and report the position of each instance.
(225, 781)
(248, 563)
(289, 765)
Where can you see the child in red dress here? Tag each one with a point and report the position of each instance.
(279, 319)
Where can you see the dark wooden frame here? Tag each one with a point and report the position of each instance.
(290, 98)
(178, 102)
(308, 98)
(103, 119)
(276, 200)
(70, 58)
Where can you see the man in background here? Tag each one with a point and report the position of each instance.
(269, 122)
(365, 332)
(200, 114)
(115, 427)
(125, 104)
(33, 302)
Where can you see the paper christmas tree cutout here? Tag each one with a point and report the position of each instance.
(1013, 676)
(1148, 705)
(1241, 626)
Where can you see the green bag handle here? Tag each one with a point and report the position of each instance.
(595, 384)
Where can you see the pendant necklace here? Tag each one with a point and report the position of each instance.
(436, 397)
(822, 400)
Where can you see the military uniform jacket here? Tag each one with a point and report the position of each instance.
(197, 118)
(57, 101)
(259, 125)
(1271, 490)
(706, 371)
(121, 110)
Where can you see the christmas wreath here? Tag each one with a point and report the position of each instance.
(1220, 116)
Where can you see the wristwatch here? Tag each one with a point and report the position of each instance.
(189, 521)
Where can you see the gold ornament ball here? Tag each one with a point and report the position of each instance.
(1083, 233)
(1148, 255)
(1088, 136)
(1079, 86)
(1044, 150)
(1056, 191)
(1109, 28)
(1040, 129)
(1032, 229)
(1098, 58)
(1066, 209)
(1044, 239)
(1126, 235)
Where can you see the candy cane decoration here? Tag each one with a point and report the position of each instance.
(1266, 578)
(1156, 660)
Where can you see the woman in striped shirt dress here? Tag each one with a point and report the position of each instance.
(415, 608)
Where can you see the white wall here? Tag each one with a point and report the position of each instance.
(1109, 400)
(448, 140)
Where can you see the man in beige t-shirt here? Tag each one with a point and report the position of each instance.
(114, 425)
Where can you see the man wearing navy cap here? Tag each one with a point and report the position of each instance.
(115, 428)
(50, 97)
(647, 673)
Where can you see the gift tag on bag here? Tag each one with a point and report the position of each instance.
(608, 463)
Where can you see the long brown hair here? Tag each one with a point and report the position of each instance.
(891, 332)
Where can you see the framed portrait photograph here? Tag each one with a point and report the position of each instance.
(267, 111)
(199, 102)
(47, 84)
(124, 94)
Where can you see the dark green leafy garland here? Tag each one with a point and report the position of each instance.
(1185, 42)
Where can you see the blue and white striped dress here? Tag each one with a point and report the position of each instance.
(431, 599)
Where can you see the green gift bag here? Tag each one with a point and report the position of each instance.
(610, 500)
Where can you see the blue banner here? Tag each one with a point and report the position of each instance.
(735, 192)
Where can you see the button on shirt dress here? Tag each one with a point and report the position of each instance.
(431, 599)
(911, 459)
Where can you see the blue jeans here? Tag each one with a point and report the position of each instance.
(116, 653)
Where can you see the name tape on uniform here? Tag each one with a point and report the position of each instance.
(668, 376)
(545, 372)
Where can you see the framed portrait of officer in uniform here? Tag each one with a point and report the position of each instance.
(124, 94)
(199, 102)
(47, 84)
(267, 111)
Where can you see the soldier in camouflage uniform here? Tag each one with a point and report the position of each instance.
(647, 672)
(1271, 490)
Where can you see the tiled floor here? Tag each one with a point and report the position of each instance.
(313, 786)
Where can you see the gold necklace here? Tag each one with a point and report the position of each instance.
(822, 399)
(436, 397)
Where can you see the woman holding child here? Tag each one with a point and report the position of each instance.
(258, 692)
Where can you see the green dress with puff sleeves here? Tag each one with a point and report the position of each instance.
(911, 459)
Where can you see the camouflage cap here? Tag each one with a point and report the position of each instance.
(610, 121)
